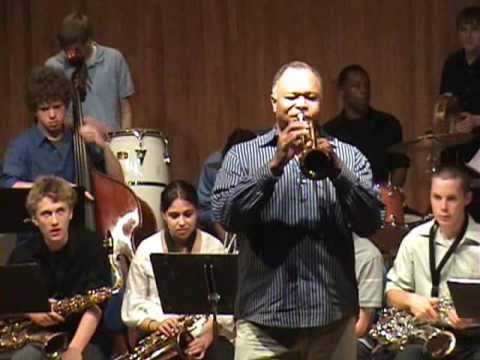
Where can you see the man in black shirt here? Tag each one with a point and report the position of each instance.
(461, 71)
(461, 77)
(73, 262)
(369, 130)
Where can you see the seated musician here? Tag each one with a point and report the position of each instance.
(73, 261)
(369, 130)
(418, 279)
(207, 177)
(47, 147)
(141, 306)
(369, 271)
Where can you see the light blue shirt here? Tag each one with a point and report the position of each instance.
(206, 181)
(109, 81)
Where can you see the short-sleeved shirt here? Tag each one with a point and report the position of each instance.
(109, 81)
(411, 268)
(31, 155)
(80, 266)
(372, 135)
(206, 181)
(369, 271)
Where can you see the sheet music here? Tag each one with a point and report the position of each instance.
(474, 162)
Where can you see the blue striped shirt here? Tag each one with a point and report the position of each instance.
(296, 261)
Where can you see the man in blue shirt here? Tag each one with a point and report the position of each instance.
(297, 291)
(47, 147)
(110, 84)
(206, 181)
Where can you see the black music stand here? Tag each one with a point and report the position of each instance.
(465, 294)
(196, 284)
(14, 216)
(23, 289)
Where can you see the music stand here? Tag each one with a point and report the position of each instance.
(465, 294)
(23, 289)
(196, 284)
(14, 216)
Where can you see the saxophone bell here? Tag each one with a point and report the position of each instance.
(397, 328)
(440, 344)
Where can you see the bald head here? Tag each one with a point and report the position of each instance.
(294, 65)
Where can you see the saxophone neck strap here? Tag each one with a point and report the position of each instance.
(436, 270)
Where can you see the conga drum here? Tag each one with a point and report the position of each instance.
(144, 157)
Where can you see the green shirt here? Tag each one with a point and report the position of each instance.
(411, 269)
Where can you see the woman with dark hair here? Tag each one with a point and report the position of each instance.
(141, 306)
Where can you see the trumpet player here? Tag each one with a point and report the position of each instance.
(73, 261)
(447, 246)
(141, 306)
(297, 295)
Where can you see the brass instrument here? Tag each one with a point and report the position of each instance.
(158, 346)
(14, 334)
(446, 113)
(397, 328)
(314, 162)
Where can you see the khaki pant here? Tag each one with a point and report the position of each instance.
(336, 341)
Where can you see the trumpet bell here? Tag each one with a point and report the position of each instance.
(314, 164)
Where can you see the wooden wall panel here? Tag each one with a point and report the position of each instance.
(203, 67)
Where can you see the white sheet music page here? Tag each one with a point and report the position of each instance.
(474, 162)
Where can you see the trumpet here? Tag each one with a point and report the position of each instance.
(314, 162)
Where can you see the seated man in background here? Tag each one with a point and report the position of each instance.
(445, 247)
(206, 181)
(73, 261)
(369, 130)
(369, 270)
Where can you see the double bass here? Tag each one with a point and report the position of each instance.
(117, 214)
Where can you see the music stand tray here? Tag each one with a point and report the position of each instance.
(465, 294)
(23, 289)
(183, 285)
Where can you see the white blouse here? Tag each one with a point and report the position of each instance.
(141, 300)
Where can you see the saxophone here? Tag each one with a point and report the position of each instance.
(397, 328)
(14, 333)
(158, 346)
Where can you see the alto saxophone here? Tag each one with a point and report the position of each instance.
(158, 346)
(14, 334)
(397, 328)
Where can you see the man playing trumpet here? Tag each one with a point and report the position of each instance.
(447, 246)
(297, 295)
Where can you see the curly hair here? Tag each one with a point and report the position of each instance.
(52, 187)
(47, 85)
